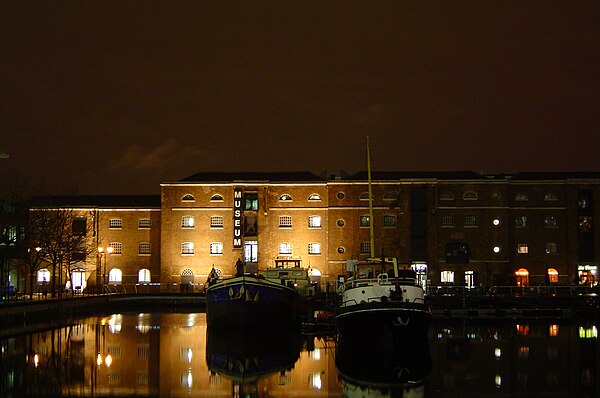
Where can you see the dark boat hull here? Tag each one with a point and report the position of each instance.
(251, 302)
(383, 320)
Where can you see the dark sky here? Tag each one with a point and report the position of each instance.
(115, 97)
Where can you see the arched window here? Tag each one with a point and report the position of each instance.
(115, 275)
(216, 198)
(447, 195)
(144, 276)
(285, 197)
(314, 196)
(364, 196)
(551, 196)
(470, 195)
(43, 275)
(188, 198)
(552, 275)
(521, 197)
(187, 276)
(389, 196)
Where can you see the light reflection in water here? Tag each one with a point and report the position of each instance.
(164, 355)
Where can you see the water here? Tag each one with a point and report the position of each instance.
(175, 355)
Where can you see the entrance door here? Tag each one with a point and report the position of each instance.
(522, 277)
(251, 251)
(78, 280)
(469, 279)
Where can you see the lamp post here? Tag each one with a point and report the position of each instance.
(103, 253)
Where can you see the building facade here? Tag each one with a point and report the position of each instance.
(453, 228)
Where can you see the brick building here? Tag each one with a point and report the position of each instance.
(455, 228)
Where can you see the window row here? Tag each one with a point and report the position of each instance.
(388, 221)
(144, 248)
(519, 197)
(117, 223)
(115, 275)
(522, 275)
(285, 248)
(189, 222)
(470, 220)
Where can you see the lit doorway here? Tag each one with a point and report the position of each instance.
(470, 279)
(522, 277)
(421, 271)
(251, 251)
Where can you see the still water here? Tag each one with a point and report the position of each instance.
(176, 355)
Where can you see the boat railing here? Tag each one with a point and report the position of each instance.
(382, 279)
(415, 300)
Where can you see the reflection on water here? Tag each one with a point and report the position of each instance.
(172, 355)
(383, 369)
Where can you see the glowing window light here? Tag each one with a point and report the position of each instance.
(108, 361)
(314, 380)
(315, 354)
(523, 330)
(498, 381)
(189, 378)
(36, 360)
(99, 360)
(498, 353)
(553, 331)
(588, 333)
(189, 355)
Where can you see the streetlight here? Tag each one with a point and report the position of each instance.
(103, 253)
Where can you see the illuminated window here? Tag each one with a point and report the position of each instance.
(314, 248)
(522, 248)
(144, 223)
(553, 330)
(117, 247)
(522, 277)
(314, 196)
(115, 275)
(144, 276)
(314, 380)
(216, 198)
(551, 248)
(216, 221)
(365, 247)
(470, 221)
(470, 195)
(585, 224)
(144, 248)
(447, 276)
(523, 352)
(216, 248)
(523, 330)
(285, 221)
(447, 195)
(187, 222)
(550, 197)
(314, 221)
(390, 221)
(550, 222)
(285, 197)
(364, 196)
(115, 223)
(389, 196)
(187, 248)
(552, 275)
(521, 197)
(365, 221)
(285, 248)
(43, 275)
(188, 198)
(447, 221)
(496, 249)
(521, 221)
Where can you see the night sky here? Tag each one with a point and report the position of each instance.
(115, 97)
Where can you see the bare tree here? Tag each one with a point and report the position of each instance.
(62, 234)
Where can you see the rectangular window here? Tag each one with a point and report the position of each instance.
(216, 248)
(251, 251)
(365, 247)
(390, 221)
(314, 248)
(551, 248)
(457, 253)
(447, 277)
(585, 225)
(522, 248)
(550, 222)
(447, 221)
(187, 248)
(144, 248)
(314, 221)
(471, 221)
(521, 222)
(216, 221)
(78, 226)
(117, 247)
(285, 248)
(115, 223)
(187, 222)
(365, 221)
(251, 201)
(285, 221)
(144, 223)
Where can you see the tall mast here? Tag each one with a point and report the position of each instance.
(370, 200)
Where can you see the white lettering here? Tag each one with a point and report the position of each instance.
(237, 242)
(237, 232)
(237, 194)
(237, 213)
(237, 204)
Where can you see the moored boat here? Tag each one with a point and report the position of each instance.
(381, 299)
(274, 298)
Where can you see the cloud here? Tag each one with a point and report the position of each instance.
(167, 159)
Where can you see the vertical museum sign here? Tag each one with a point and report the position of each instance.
(237, 218)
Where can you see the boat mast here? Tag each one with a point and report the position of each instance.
(370, 200)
